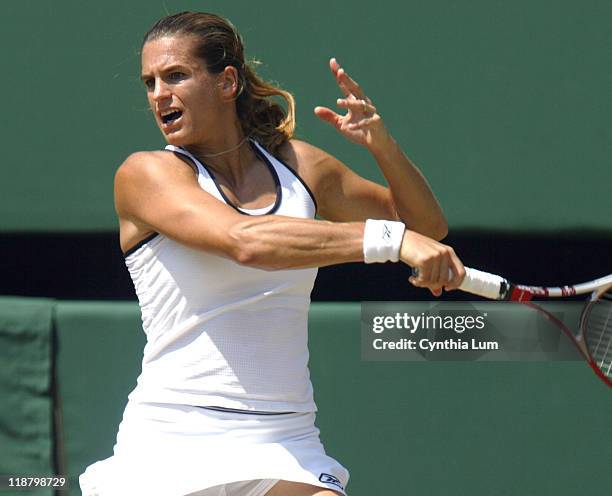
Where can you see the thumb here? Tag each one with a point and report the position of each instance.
(327, 115)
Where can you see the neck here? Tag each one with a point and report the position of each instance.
(226, 139)
(223, 152)
(231, 163)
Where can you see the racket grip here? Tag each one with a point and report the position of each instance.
(480, 283)
(484, 284)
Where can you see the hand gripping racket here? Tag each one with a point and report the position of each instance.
(594, 338)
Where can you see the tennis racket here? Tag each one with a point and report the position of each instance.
(594, 338)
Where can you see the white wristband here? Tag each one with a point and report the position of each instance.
(382, 240)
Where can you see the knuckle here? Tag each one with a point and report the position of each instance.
(433, 258)
(442, 250)
(424, 260)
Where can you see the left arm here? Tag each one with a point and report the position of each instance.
(414, 200)
(409, 195)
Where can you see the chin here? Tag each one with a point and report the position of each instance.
(176, 138)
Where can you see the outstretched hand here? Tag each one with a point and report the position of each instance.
(361, 124)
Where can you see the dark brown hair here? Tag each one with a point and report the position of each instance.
(220, 45)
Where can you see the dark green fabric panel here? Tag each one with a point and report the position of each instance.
(25, 388)
(502, 104)
(99, 356)
(469, 428)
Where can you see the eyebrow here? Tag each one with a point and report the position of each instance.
(169, 68)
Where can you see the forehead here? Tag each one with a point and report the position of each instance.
(168, 50)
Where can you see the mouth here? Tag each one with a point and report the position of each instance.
(169, 117)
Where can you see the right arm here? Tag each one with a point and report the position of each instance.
(158, 192)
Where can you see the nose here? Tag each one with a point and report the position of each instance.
(161, 90)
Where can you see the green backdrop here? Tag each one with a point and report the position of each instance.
(428, 428)
(504, 105)
(26, 390)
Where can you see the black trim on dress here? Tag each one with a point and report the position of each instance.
(138, 245)
(264, 159)
(246, 412)
(299, 178)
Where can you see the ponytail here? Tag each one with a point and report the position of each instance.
(262, 118)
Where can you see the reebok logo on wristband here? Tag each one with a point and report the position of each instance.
(382, 240)
(386, 233)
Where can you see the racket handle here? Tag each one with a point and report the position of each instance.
(480, 283)
(484, 284)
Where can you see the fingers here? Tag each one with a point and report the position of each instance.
(363, 106)
(344, 80)
(458, 272)
(436, 265)
(443, 272)
(347, 84)
(335, 67)
(328, 116)
(357, 109)
(431, 276)
(421, 278)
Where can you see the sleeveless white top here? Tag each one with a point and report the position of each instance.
(218, 333)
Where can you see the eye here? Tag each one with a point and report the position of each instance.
(149, 83)
(176, 76)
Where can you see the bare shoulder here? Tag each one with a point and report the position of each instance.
(303, 155)
(143, 176)
(313, 164)
(151, 166)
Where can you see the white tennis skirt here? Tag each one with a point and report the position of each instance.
(177, 450)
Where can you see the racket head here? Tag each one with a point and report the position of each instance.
(596, 333)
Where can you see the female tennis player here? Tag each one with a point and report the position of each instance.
(220, 239)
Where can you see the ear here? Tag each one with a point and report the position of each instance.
(228, 84)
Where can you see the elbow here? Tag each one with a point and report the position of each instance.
(244, 248)
(251, 256)
(439, 231)
(242, 255)
(437, 227)
(435, 230)
(241, 249)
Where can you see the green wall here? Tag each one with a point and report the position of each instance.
(504, 105)
(428, 428)
(26, 390)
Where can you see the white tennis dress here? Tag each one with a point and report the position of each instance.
(225, 393)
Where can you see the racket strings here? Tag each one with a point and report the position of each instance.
(598, 333)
